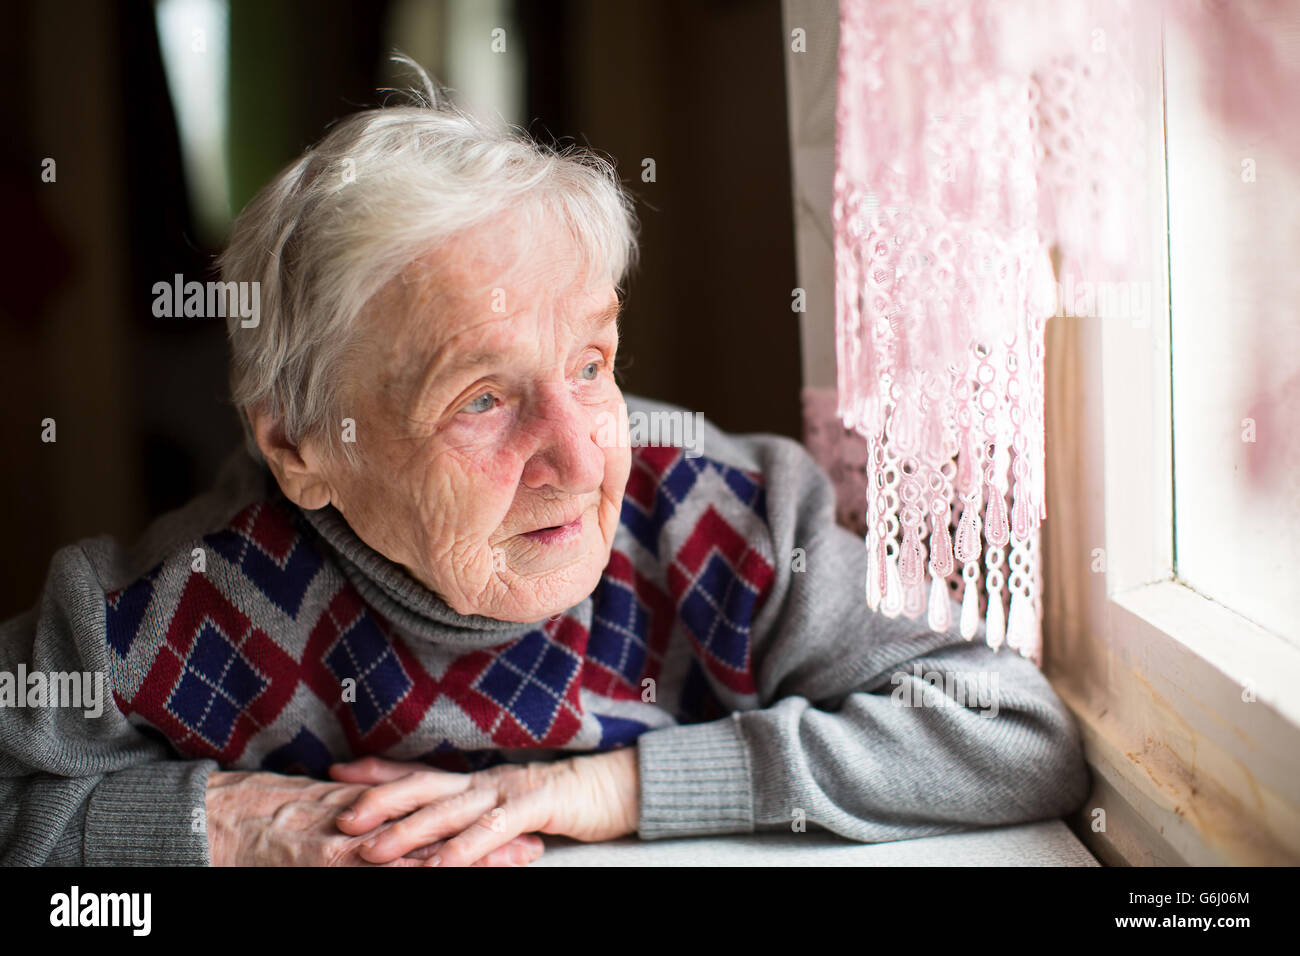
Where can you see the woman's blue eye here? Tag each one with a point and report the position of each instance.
(595, 366)
(478, 407)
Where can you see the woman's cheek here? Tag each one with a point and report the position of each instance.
(618, 465)
(488, 492)
(618, 454)
(452, 504)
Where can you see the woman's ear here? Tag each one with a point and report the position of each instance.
(298, 469)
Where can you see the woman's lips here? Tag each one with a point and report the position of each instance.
(557, 535)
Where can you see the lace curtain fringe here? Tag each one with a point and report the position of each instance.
(986, 151)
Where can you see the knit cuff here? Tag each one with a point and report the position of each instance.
(695, 780)
(144, 816)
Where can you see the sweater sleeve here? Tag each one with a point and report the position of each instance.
(868, 726)
(79, 785)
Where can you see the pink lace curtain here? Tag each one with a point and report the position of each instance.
(986, 151)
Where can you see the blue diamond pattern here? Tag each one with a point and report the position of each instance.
(619, 623)
(215, 687)
(364, 654)
(529, 680)
(124, 617)
(284, 586)
(619, 731)
(717, 609)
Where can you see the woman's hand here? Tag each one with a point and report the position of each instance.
(590, 798)
(269, 819)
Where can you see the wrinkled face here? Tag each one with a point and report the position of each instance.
(478, 402)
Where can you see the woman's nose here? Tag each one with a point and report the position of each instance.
(565, 454)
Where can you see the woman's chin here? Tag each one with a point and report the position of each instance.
(557, 592)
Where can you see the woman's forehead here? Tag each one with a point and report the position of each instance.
(437, 323)
(503, 264)
(566, 295)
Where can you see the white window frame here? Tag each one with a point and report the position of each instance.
(1187, 767)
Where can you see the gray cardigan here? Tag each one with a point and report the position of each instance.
(760, 690)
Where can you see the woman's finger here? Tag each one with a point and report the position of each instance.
(389, 801)
(373, 770)
(342, 796)
(436, 821)
(494, 829)
(520, 851)
(422, 853)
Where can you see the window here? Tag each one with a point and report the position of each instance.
(1171, 619)
(194, 37)
(1234, 207)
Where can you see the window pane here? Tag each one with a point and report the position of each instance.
(1234, 218)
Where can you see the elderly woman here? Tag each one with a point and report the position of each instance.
(442, 604)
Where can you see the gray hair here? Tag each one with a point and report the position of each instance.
(385, 187)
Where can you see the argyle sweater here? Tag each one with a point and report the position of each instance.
(729, 640)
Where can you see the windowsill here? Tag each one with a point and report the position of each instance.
(1186, 770)
(1047, 843)
(1245, 654)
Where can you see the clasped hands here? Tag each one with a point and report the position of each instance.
(377, 812)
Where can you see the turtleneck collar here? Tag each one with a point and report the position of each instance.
(393, 592)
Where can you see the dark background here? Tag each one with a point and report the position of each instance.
(141, 403)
